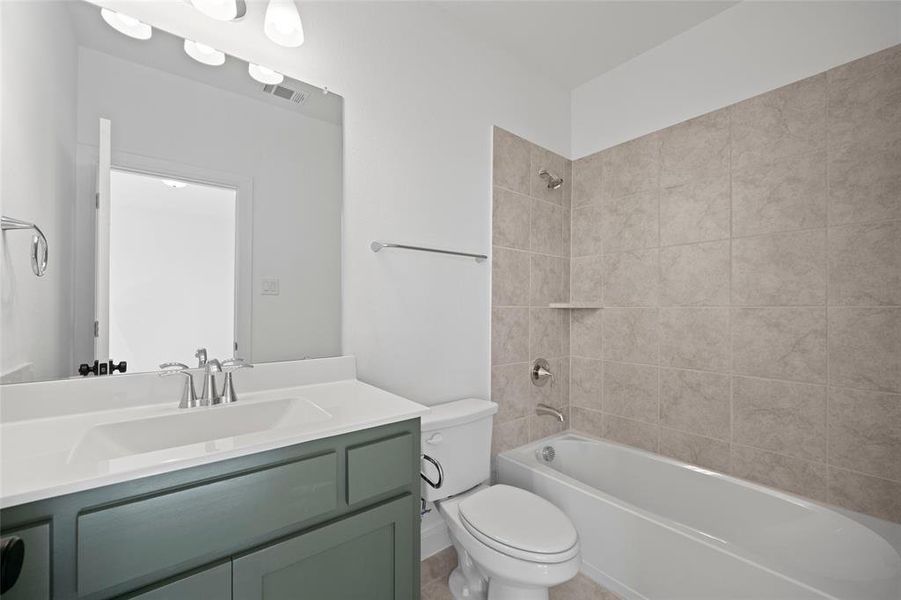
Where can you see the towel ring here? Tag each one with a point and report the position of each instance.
(40, 250)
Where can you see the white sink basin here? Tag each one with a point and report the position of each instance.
(189, 427)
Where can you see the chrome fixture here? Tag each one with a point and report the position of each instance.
(228, 389)
(209, 395)
(39, 249)
(541, 372)
(376, 246)
(433, 484)
(200, 355)
(553, 182)
(546, 454)
(188, 394)
(221, 10)
(545, 409)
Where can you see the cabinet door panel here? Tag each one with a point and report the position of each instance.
(363, 557)
(34, 579)
(212, 584)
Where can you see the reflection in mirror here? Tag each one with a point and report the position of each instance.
(186, 204)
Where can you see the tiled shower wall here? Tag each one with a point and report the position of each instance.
(530, 269)
(749, 265)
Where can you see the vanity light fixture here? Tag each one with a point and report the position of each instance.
(204, 54)
(221, 10)
(282, 24)
(265, 74)
(126, 25)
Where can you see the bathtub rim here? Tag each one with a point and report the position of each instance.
(524, 456)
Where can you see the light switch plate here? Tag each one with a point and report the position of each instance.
(270, 287)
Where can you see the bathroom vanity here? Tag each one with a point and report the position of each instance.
(123, 503)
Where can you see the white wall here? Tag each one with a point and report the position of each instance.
(420, 100)
(744, 51)
(38, 175)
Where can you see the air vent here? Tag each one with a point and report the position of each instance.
(285, 93)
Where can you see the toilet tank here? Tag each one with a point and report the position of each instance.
(458, 435)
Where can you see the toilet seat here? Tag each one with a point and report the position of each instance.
(519, 524)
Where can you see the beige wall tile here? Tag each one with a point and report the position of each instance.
(783, 472)
(695, 449)
(548, 333)
(633, 433)
(697, 402)
(865, 432)
(542, 158)
(588, 421)
(549, 280)
(695, 212)
(511, 161)
(630, 278)
(865, 348)
(586, 333)
(864, 179)
(864, 105)
(873, 496)
(780, 269)
(695, 274)
(586, 230)
(556, 391)
(510, 224)
(787, 418)
(783, 343)
(542, 426)
(782, 195)
(587, 279)
(509, 335)
(696, 149)
(547, 228)
(865, 264)
(586, 382)
(695, 338)
(630, 222)
(632, 167)
(588, 177)
(509, 277)
(508, 435)
(853, 69)
(630, 391)
(630, 334)
(510, 389)
(784, 122)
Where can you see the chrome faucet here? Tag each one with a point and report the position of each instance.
(228, 389)
(188, 394)
(545, 409)
(210, 395)
(200, 355)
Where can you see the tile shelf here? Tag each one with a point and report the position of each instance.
(575, 305)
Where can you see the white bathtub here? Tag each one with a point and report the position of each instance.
(657, 528)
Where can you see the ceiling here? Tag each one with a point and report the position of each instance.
(573, 42)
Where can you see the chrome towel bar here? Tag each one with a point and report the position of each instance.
(39, 248)
(376, 246)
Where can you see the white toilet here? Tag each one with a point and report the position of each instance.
(511, 544)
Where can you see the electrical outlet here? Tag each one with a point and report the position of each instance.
(270, 287)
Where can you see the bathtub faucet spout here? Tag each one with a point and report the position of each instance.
(544, 409)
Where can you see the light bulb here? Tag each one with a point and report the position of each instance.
(204, 54)
(265, 74)
(282, 24)
(222, 10)
(126, 25)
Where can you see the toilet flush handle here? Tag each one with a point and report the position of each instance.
(433, 484)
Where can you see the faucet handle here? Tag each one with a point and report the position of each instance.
(228, 388)
(233, 364)
(172, 368)
(188, 394)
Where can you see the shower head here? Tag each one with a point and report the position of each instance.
(553, 182)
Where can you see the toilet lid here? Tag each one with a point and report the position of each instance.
(519, 520)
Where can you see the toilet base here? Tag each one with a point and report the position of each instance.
(461, 590)
(497, 590)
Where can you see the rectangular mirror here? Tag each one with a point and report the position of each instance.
(184, 205)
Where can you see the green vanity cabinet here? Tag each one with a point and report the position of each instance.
(332, 518)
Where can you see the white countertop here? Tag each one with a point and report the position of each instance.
(54, 455)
